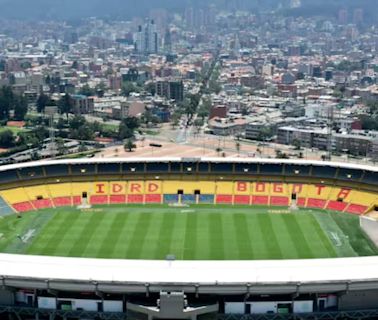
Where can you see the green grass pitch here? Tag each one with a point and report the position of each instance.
(198, 232)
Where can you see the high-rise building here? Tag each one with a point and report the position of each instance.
(172, 89)
(295, 4)
(358, 16)
(343, 16)
(147, 39)
(167, 41)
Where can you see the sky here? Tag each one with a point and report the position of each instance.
(123, 9)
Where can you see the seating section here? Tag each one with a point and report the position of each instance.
(18, 199)
(5, 209)
(320, 196)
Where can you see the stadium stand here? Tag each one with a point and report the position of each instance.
(223, 192)
(318, 186)
(5, 209)
(31, 173)
(18, 199)
(157, 167)
(108, 168)
(8, 176)
(39, 196)
(59, 170)
(171, 198)
(60, 194)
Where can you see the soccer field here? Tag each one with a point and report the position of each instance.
(192, 233)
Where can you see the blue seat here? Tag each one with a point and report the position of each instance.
(206, 198)
(170, 198)
(188, 198)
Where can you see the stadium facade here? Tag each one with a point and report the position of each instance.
(72, 288)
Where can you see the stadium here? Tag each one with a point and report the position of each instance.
(188, 238)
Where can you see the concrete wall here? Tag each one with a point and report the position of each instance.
(359, 300)
(370, 226)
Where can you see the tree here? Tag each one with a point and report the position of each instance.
(77, 122)
(129, 145)
(237, 146)
(198, 123)
(86, 90)
(128, 87)
(6, 102)
(75, 65)
(100, 89)
(65, 104)
(42, 101)
(297, 144)
(127, 127)
(20, 108)
(150, 87)
(6, 139)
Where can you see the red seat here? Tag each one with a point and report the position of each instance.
(99, 199)
(153, 198)
(242, 199)
(336, 205)
(224, 198)
(62, 201)
(356, 209)
(279, 201)
(260, 200)
(23, 206)
(117, 198)
(42, 203)
(76, 200)
(135, 198)
(316, 203)
(301, 202)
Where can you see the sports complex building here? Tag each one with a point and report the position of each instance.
(256, 275)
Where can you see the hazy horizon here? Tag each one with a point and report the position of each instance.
(123, 9)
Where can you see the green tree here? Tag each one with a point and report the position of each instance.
(150, 87)
(128, 87)
(65, 105)
(100, 89)
(20, 108)
(42, 101)
(198, 123)
(7, 139)
(86, 90)
(238, 146)
(127, 128)
(129, 145)
(25, 65)
(77, 122)
(6, 102)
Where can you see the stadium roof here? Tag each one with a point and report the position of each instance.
(192, 159)
(213, 273)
